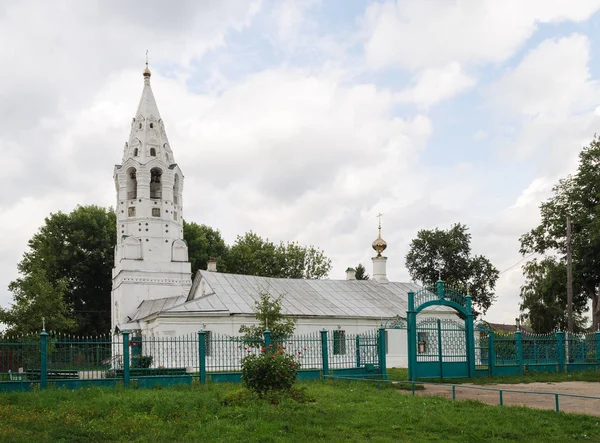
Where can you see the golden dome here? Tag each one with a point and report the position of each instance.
(379, 244)
(147, 72)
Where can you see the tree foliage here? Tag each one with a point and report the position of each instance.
(544, 298)
(447, 255)
(71, 256)
(576, 196)
(36, 301)
(269, 316)
(361, 272)
(204, 242)
(253, 255)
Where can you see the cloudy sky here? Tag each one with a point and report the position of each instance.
(301, 120)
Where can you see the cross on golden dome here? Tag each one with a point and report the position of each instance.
(379, 244)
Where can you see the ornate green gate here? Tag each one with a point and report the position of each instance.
(440, 347)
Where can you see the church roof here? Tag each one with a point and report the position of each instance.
(148, 106)
(216, 292)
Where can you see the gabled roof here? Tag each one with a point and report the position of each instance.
(214, 292)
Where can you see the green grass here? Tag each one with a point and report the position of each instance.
(340, 412)
(533, 377)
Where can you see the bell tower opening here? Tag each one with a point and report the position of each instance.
(155, 183)
(131, 183)
(176, 189)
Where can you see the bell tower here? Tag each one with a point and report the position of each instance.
(151, 257)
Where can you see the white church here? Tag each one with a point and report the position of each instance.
(152, 291)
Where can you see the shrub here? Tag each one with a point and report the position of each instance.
(142, 362)
(272, 370)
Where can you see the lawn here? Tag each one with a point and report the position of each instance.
(340, 412)
(533, 377)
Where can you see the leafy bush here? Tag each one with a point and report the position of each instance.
(272, 370)
(142, 362)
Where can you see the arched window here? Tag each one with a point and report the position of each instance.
(140, 126)
(151, 125)
(153, 152)
(155, 183)
(176, 190)
(131, 183)
(135, 152)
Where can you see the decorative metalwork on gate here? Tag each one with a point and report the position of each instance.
(439, 292)
(396, 322)
(453, 343)
(440, 347)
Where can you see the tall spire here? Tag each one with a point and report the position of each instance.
(148, 139)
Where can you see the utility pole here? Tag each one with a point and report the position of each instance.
(569, 277)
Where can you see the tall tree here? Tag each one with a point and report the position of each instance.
(37, 301)
(544, 297)
(71, 254)
(253, 255)
(204, 242)
(361, 273)
(447, 255)
(577, 196)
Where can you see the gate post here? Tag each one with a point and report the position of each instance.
(382, 356)
(492, 352)
(43, 359)
(411, 335)
(324, 353)
(597, 336)
(560, 347)
(519, 344)
(470, 337)
(126, 359)
(202, 355)
(267, 338)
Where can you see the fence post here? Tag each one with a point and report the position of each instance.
(597, 350)
(43, 359)
(358, 351)
(470, 336)
(324, 353)
(411, 336)
(202, 355)
(519, 340)
(126, 359)
(492, 352)
(382, 356)
(267, 338)
(560, 348)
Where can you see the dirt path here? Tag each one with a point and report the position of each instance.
(538, 401)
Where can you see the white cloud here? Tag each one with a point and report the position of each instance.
(552, 79)
(417, 35)
(437, 84)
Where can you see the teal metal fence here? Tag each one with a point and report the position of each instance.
(64, 361)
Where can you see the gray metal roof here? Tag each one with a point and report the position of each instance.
(149, 307)
(236, 294)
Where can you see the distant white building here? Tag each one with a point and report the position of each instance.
(153, 295)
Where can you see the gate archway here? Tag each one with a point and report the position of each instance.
(440, 347)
